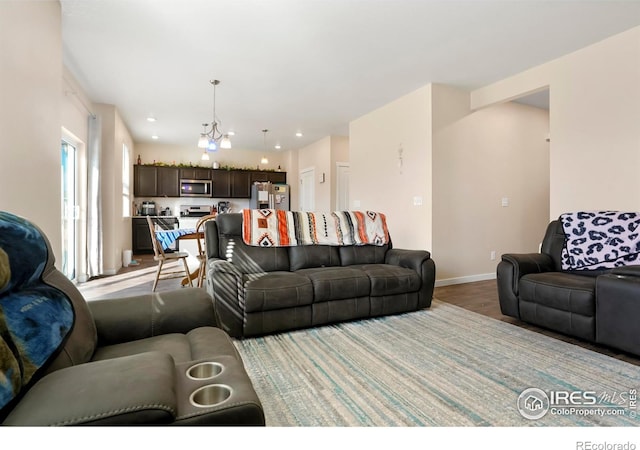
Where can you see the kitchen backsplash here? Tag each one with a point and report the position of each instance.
(237, 204)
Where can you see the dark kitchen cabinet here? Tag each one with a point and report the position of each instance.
(195, 173)
(141, 235)
(240, 184)
(273, 177)
(156, 181)
(164, 181)
(145, 181)
(221, 183)
(168, 182)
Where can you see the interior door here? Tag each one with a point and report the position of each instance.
(307, 189)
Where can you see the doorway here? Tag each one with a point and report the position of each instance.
(343, 170)
(307, 189)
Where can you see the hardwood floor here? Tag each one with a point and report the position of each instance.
(482, 297)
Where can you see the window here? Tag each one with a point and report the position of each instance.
(126, 182)
(69, 209)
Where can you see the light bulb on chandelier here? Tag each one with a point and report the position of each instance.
(212, 139)
(264, 159)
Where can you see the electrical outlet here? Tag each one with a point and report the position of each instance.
(493, 255)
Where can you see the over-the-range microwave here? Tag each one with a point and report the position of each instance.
(195, 188)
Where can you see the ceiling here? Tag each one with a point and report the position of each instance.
(307, 65)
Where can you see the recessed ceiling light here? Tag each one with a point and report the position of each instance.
(151, 119)
(277, 147)
(298, 134)
(231, 133)
(155, 137)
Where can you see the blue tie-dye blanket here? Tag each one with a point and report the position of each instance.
(600, 239)
(34, 318)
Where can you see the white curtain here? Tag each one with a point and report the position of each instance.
(94, 202)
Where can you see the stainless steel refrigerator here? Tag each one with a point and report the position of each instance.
(266, 195)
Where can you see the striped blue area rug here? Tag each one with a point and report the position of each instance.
(444, 366)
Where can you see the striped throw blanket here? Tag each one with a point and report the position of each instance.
(277, 228)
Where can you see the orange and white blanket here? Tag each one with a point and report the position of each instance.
(277, 228)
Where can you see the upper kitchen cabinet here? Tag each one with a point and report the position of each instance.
(273, 177)
(195, 173)
(145, 181)
(221, 183)
(164, 181)
(156, 181)
(240, 184)
(168, 182)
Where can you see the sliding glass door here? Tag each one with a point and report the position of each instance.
(69, 210)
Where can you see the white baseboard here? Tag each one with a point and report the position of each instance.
(467, 279)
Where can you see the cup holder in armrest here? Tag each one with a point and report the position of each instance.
(210, 395)
(204, 370)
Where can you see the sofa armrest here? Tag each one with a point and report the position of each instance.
(511, 268)
(525, 263)
(421, 262)
(137, 389)
(630, 271)
(225, 284)
(411, 259)
(138, 317)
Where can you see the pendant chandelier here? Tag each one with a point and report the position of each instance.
(212, 138)
(264, 159)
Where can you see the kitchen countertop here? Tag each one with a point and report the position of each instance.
(156, 217)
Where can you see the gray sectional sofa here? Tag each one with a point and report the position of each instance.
(261, 290)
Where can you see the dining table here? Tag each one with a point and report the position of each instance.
(168, 237)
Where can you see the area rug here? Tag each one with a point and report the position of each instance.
(443, 366)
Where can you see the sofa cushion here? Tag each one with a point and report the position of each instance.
(362, 254)
(387, 279)
(337, 283)
(560, 291)
(276, 290)
(305, 256)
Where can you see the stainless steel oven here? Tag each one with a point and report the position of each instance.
(195, 188)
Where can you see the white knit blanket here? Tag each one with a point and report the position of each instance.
(277, 228)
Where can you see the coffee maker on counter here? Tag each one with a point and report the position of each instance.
(224, 207)
(148, 209)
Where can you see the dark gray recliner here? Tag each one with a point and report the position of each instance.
(600, 305)
(149, 359)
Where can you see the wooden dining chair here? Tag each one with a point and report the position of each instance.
(202, 249)
(171, 271)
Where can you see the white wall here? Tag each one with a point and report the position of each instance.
(30, 117)
(595, 112)
(116, 229)
(381, 181)
(479, 158)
